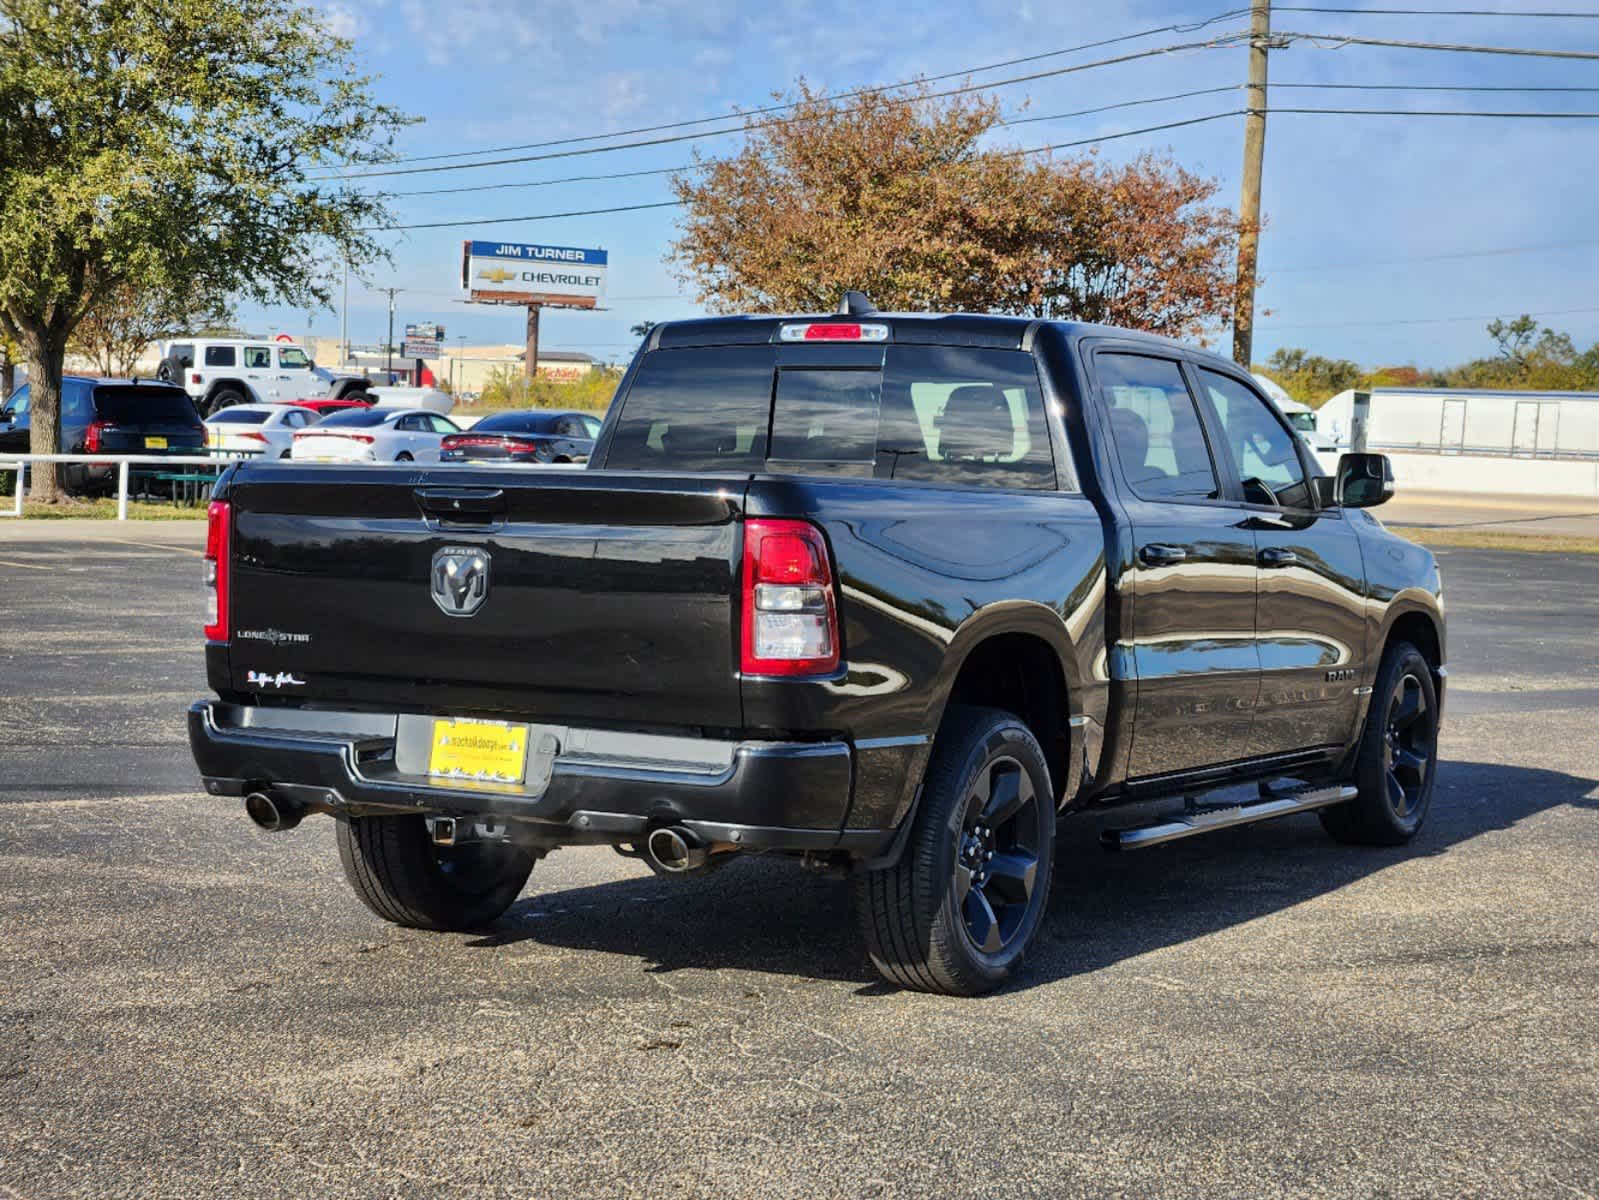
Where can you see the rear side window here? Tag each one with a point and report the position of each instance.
(258, 358)
(1156, 428)
(963, 416)
(930, 413)
(220, 356)
(696, 410)
(144, 406)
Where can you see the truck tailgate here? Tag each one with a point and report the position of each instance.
(610, 596)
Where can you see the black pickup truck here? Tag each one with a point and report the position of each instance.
(892, 593)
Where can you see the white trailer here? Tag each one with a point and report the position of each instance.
(1467, 421)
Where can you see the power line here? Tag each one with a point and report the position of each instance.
(1107, 137)
(1346, 40)
(1423, 258)
(1088, 112)
(1377, 87)
(1183, 27)
(594, 212)
(1223, 42)
(1429, 87)
(1431, 12)
(1440, 112)
(494, 187)
(1557, 312)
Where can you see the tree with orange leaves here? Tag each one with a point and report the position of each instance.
(898, 194)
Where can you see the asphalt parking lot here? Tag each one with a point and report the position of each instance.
(191, 1008)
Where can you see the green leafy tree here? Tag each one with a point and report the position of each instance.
(1310, 378)
(151, 143)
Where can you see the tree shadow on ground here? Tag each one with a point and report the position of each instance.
(768, 914)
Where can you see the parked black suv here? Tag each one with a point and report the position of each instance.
(889, 593)
(107, 416)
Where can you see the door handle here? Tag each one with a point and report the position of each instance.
(1276, 556)
(1157, 555)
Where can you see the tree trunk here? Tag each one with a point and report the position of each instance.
(8, 375)
(45, 357)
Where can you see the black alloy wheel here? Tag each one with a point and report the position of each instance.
(1408, 747)
(1396, 764)
(996, 861)
(959, 907)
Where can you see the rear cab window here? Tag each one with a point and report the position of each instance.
(934, 414)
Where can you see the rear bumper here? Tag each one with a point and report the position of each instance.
(602, 787)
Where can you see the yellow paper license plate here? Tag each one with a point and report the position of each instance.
(478, 751)
(155, 443)
(213, 438)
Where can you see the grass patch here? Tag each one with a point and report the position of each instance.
(106, 510)
(1493, 539)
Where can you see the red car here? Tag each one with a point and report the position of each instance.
(323, 405)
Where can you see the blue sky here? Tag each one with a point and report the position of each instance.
(1344, 196)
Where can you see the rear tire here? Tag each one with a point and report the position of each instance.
(225, 398)
(959, 910)
(399, 874)
(1397, 763)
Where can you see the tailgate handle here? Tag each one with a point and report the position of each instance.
(465, 506)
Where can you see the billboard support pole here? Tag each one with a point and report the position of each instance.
(531, 365)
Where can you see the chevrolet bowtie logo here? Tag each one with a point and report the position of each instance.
(497, 275)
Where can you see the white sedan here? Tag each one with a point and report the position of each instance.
(264, 429)
(374, 435)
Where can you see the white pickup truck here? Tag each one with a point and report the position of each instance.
(218, 373)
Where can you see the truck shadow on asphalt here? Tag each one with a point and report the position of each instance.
(770, 915)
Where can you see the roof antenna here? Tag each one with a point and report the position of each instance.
(856, 304)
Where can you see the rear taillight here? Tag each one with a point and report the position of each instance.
(95, 436)
(254, 437)
(195, 378)
(790, 618)
(218, 533)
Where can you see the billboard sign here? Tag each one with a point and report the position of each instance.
(517, 273)
(423, 341)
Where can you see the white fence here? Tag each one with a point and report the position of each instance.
(20, 463)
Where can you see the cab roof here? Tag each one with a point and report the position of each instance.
(985, 330)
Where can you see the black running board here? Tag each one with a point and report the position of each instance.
(1195, 821)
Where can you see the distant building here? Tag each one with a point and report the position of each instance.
(1468, 421)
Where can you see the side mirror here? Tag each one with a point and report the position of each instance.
(1364, 480)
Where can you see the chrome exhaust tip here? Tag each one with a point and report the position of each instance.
(674, 850)
(272, 815)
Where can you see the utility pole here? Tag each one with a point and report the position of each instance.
(531, 366)
(388, 362)
(1249, 201)
(344, 320)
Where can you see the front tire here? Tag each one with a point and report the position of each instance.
(403, 456)
(1397, 762)
(399, 874)
(959, 910)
